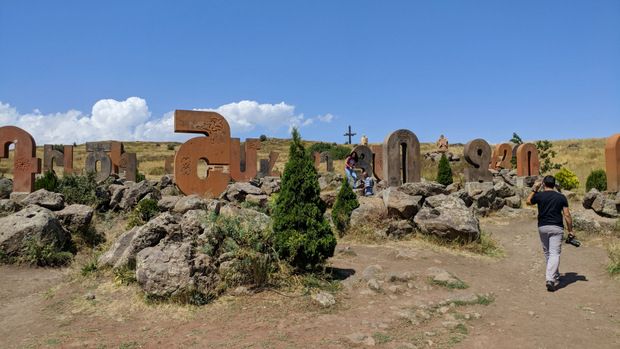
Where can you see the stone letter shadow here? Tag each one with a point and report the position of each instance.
(568, 279)
(339, 273)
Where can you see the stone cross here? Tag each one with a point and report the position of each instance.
(350, 134)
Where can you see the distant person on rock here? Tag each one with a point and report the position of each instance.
(368, 185)
(551, 207)
(349, 166)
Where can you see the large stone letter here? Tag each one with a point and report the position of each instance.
(478, 153)
(327, 157)
(98, 154)
(62, 159)
(377, 161)
(169, 164)
(364, 154)
(317, 159)
(401, 158)
(501, 157)
(527, 160)
(612, 163)
(25, 160)
(243, 159)
(214, 149)
(266, 166)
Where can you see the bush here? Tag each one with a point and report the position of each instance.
(46, 254)
(346, 202)
(59, 147)
(80, 190)
(598, 180)
(301, 233)
(139, 176)
(567, 179)
(320, 147)
(170, 146)
(262, 138)
(144, 211)
(338, 152)
(49, 181)
(444, 171)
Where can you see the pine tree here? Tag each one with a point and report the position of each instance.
(346, 202)
(444, 171)
(301, 233)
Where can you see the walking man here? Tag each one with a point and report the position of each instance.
(551, 207)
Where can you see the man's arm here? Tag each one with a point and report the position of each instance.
(534, 190)
(569, 221)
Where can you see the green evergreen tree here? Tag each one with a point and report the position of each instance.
(597, 179)
(444, 171)
(346, 202)
(301, 233)
(49, 181)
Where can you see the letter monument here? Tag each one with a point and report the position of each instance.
(612, 163)
(401, 158)
(501, 157)
(478, 153)
(25, 160)
(214, 148)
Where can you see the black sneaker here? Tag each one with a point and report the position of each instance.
(550, 286)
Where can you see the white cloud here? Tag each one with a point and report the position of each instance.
(130, 120)
(326, 117)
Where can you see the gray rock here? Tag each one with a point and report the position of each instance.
(359, 338)
(193, 222)
(406, 254)
(503, 190)
(605, 207)
(329, 197)
(171, 269)
(373, 284)
(191, 202)
(371, 271)
(513, 201)
(507, 211)
(570, 196)
(44, 198)
(399, 229)
(370, 209)
(591, 222)
(124, 250)
(401, 205)
(464, 195)
(409, 316)
(166, 181)
(260, 200)
(447, 217)
(117, 195)
(271, 185)
(324, 299)
(483, 198)
(590, 196)
(33, 222)
(135, 193)
(6, 188)
(450, 324)
(454, 187)
(168, 203)
(75, 218)
(239, 190)
(425, 189)
(260, 219)
(9, 206)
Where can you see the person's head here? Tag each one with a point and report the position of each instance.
(549, 181)
(353, 155)
(365, 174)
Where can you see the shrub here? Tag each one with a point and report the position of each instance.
(139, 176)
(49, 181)
(263, 138)
(346, 202)
(59, 147)
(170, 146)
(567, 179)
(301, 233)
(545, 154)
(598, 180)
(338, 152)
(46, 254)
(444, 171)
(80, 189)
(144, 211)
(320, 147)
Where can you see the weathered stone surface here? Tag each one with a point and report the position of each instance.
(239, 190)
(261, 200)
(464, 195)
(7, 205)
(192, 223)
(448, 217)
(6, 187)
(401, 205)
(329, 197)
(360, 338)
(425, 189)
(259, 218)
(591, 222)
(135, 193)
(369, 209)
(507, 211)
(605, 207)
(25, 162)
(478, 153)
(324, 299)
(503, 190)
(124, 249)
(513, 201)
(393, 159)
(590, 196)
(171, 269)
(191, 202)
(44, 198)
(166, 181)
(400, 229)
(483, 198)
(117, 195)
(527, 160)
(32, 222)
(271, 185)
(75, 217)
(453, 188)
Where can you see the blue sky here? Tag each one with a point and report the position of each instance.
(76, 71)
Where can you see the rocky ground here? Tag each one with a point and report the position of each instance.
(388, 299)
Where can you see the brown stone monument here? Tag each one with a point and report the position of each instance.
(501, 157)
(377, 161)
(364, 140)
(478, 153)
(214, 148)
(527, 160)
(401, 158)
(98, 153)
(316, 158)
(267, 165)
(326, 157)
(26, 164)
(117, 150)
(169, 164)
(612, 163)
(442, 145)
(364, 154)
(129, 165)
(62, 159)
(243, 159)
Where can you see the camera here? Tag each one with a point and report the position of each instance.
(572, 241)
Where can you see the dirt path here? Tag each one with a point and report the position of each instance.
(45, 308)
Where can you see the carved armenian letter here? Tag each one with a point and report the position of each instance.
(26, 164)
(326, 157)
(527, 160)
(243, 159)
(98, 153)
(478, 153)
(501, 157)
(377, 161)
(364, 154)
(401, 158)
(612, 163)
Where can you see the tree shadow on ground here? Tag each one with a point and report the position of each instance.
(340, 274)
(568, 279)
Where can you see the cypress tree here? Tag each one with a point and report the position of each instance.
(346, 202)
(444, 171)
(301, 233)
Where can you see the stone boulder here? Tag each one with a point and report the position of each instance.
(239, 190)
(503, 190)
(329, 197)
(448, 217)
(31, 223)
(124, 250)
(590, 196)
(260, 200)
(464, 195)
(425, 189)
(168, 203)
(508, 211)
(173, 269)
(135, 192)
(190, 202)
(400, 229)
(370, 209)
(513, 201)
(44, 198)
(260, 219)
(605, 207)
(271, 185)
(9, 206)
(483, 197)
(75, 217)
(591, 222)
(166, 181)
(193, 222)
(6, 188)
(401, 205)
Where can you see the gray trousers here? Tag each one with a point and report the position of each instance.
(551, 237)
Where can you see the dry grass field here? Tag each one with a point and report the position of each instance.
(581, 156)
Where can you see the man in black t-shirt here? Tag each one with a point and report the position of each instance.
(551, 207)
